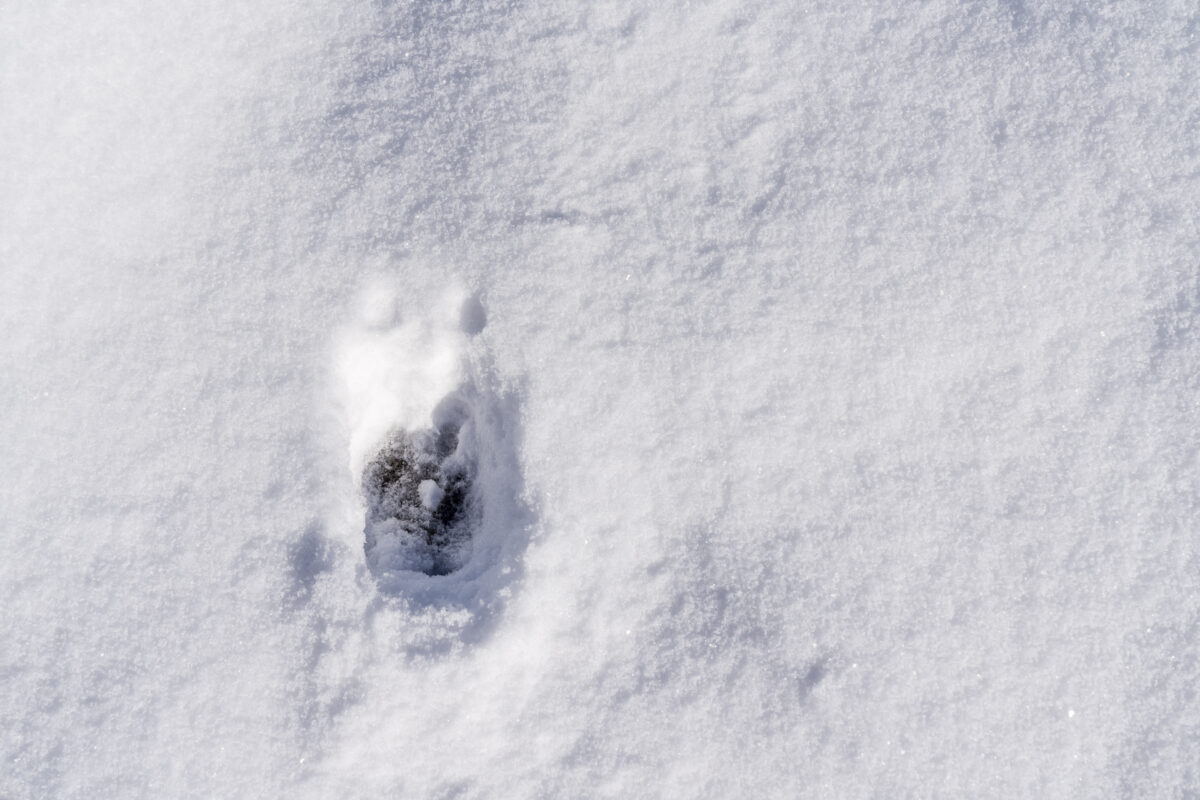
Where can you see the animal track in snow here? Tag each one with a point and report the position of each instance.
(432, 444)
(419, 489)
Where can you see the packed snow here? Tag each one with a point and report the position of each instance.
(517, 400)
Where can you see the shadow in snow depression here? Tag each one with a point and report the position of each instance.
(421, 504)
(445, 522)
(445, 519)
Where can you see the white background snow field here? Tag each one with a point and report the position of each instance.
(831, 370)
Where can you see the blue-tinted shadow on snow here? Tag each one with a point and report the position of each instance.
(309, 557)
(483, 534)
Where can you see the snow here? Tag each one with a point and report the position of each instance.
(396, 369)
(431, 494)
(827, 375)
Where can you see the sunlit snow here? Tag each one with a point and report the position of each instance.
(762, 400)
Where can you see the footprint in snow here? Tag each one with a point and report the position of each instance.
(421, 504)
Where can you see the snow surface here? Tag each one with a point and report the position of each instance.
(835, 365)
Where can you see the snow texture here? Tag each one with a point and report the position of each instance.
(819, 382)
